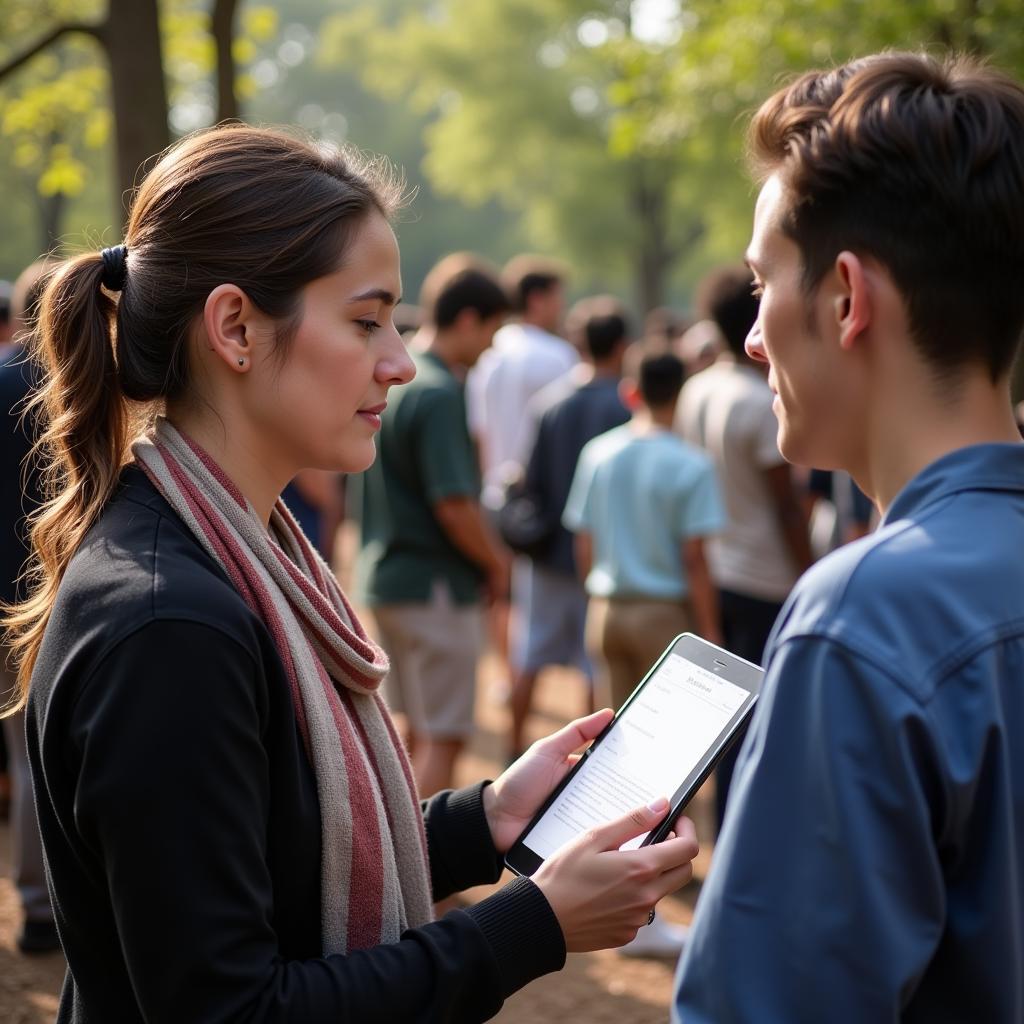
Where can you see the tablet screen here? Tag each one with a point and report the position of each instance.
(658, 740)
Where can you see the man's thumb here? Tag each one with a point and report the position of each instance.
(631, 825)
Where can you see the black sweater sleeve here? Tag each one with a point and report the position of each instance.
(172, 799)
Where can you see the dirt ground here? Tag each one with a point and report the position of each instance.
(600, 988)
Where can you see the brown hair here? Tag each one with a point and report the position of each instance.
(256, 207)
(525, 274)
(598, 324)
(726, 296)
(918, 163)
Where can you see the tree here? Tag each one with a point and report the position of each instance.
(62, 89)
(523, 99)
(698, 95)
(129, 35)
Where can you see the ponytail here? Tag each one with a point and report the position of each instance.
(83, 445)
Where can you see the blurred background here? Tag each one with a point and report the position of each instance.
(605, 132)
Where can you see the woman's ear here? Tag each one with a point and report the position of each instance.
(228, 319)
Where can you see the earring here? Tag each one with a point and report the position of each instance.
(241, 362)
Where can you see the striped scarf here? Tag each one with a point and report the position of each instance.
(373, 875)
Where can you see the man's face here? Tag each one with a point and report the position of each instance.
(547, 308)
(804, 363)
(477, 335)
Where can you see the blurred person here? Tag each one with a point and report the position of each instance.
(21, 496)
(727, 411)
(569, 412)
(870, 867)
(316, 500)
(662, 325)
(642, 505)
(839, 512)
(6, 335)
(8, 325)
(526, 355)
(229, 820)
(427, 555)
(699, 346)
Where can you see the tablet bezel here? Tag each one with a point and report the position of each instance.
(745, 674)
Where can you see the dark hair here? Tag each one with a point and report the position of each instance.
(600, 323)
(256, 207)
(663, 323)
(658, 372)
(469, 288)
(726, 296)
(918, 163)
(525, 274)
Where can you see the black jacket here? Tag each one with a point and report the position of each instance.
(180, 818)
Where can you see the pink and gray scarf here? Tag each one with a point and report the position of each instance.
(374, 880)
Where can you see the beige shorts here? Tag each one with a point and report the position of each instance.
(626, 636)
(434, 649)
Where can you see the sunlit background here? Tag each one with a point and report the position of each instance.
(606, 132)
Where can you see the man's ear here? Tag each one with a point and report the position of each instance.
(629, 392)
(229, 320)
(852, 306)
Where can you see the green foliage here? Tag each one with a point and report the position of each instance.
(733, 53)
(523, 98)
(557, 109)
(55, 119)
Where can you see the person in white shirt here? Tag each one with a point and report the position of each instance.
(526, 356)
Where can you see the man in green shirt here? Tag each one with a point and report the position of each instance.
(427, 556)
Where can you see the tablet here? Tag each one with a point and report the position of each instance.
(664, 741)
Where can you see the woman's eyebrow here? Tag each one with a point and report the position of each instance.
(388, 298)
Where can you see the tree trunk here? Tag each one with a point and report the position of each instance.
(652, 253)
(222, 26)
(131, 37)
(51, 215)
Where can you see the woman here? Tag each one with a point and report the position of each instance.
(230, 825)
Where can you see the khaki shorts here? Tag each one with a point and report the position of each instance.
(434, 649)
(626, 636)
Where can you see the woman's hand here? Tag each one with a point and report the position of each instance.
(602, 895)
(514, 798)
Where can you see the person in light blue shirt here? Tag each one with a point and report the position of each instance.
(641, 503)
(871, 864)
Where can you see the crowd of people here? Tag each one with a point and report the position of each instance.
(197, 701)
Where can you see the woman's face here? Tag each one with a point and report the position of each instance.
(319, 404)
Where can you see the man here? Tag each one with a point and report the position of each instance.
(727, 411)
(21, 495)
(642, 504)
(426, 550)
(569, 412)
(871, 864)
(526, 356)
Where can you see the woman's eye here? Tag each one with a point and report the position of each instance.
(369, 325)
(757, 291)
